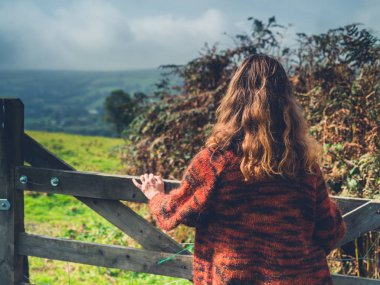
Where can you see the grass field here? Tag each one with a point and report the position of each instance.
(64, 216)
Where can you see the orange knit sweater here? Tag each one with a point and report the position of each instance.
(275, 232)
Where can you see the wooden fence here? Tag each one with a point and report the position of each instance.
(102, 193)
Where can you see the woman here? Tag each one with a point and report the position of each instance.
(255, 193)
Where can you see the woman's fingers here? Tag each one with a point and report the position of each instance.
(158, 178)
(152, 180)
(148, 179)
(138, 185)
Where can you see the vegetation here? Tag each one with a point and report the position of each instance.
(334, 76)
(121, 108)
(83, 152)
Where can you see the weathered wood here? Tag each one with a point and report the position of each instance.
(127, 258)
(83, 184)
(13, 267)
(347, 204)
(114, 211)
(361, 220)
(352, 280)
(106, 255)
(133, 225)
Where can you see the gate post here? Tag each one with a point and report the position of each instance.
(13, 267)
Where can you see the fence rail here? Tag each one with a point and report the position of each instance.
(103, 193)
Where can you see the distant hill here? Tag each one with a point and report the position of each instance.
(71, 101)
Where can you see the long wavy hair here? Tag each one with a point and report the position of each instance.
(260, 119)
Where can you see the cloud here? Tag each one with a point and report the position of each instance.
(97, 35)
(128, 34)
(167, 28)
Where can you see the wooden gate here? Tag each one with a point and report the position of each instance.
(102, 193)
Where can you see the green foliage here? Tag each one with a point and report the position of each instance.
(121, 108)
(334, 76)
(337, 82)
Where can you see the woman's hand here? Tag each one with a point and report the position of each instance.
(151, 185)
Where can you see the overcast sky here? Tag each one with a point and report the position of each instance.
(135, 34)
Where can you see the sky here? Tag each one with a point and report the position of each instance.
(139, 34)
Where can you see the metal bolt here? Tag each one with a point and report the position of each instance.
(54, 181)
(23, 179)
(4, 205)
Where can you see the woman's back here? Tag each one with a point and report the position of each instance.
(273, 232)
(264, 232)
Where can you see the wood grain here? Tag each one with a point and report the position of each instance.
(84, 184)
(13, 267)
(361, 220)
(352, 280)
(112, 256)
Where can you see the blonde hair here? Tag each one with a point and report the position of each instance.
(260, 119)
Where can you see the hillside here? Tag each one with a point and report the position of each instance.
(71, 101)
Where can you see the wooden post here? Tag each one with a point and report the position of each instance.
(13, 267)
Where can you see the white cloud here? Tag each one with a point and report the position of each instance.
(96, 35)
(168, 28)
(126, 34)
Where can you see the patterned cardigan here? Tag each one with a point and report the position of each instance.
(275, 232)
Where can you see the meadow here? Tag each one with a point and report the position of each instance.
(65, 217)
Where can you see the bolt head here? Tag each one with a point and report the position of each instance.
(4, 205)
(54, 181)
(24, 179)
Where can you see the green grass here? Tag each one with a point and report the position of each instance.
(64, 216)
(86, 153)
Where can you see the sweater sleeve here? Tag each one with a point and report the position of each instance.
(186, 203)
(329, 224)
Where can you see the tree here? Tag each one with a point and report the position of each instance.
(121, 108)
